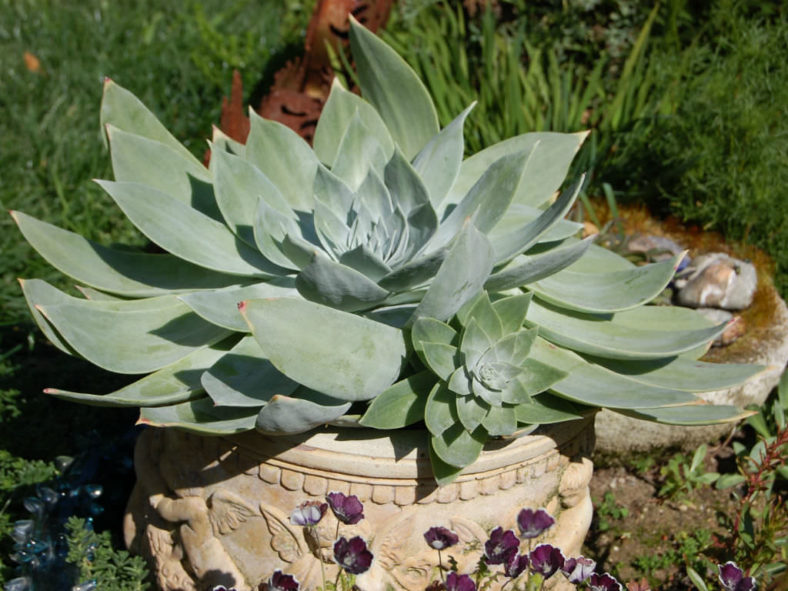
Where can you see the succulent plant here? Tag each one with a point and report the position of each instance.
(379, 278)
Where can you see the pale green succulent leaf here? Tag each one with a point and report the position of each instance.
(600, 335)
(365, 262)
(438, 163)
(508, 245)
(172, 384)
(442, 472)
(500, 421)
(698, 414)
(521, 216)
(493, 397)
(547, 408)
(187, 233)
(400, 405)
(475, 342)
(414, 273)
(299, 413)
(284, 157)
(457, 447)
(459, 382)
(439, 357)
(221, 142)
(335, 117)
(270, 231)
(544, 174)
(535, 378)
(129, 273)
(440, 412)
(239, 186)
(135, 336)
(343, 355)
(679, 373)
(245, 377)
(359, 153)
(299, 251)
(139, 159)
(40, 293)
(485, 315)
(487, 200)
(332, 230)
(471, 411)
(606, 292)
(220, 306)
(511, 311)
(94, 294)
(525, 269)
(121, 108)
(338, 286)
(396, 92)
(461, 275)
(429, 330)
(599, 260)
(200, 416)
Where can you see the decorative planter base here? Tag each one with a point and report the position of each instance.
(215, 511)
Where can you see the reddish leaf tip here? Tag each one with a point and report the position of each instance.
(242, 306)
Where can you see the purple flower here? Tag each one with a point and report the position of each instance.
(603, 582)
(348, 509)
(732, 578)
(500, 546)
(279, 582)
(308, 514)
(352, 555)
(439, 538)
(455, 582)
(222, 588)
(546, 559)
(578, 569)
(515, 565)
(533, 523)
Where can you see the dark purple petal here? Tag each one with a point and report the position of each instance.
(501, 545)
(308, 514)
(578, 569)
(733, 579)
(603, 582)
(455, 582)
(533, 523)
(279, 582)
(222, 588)
(348, 509)
(352, 555)
(546, 559)
(439, 538)
(515, 565)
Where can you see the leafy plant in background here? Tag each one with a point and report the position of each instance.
(346, 258)
(681, 477)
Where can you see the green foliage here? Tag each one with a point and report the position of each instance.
(681, 475)
(97, 560)
(685, 548)
(608, 511)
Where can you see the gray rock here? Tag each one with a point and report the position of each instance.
(717, 281)
(656, 248)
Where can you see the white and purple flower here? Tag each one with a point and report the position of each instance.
(534, 523)
(347, 508)
(352, 555)
(501, 545)
(308, 514)
(439, 538)
(732, 578)
(578, 569)
(546, 559)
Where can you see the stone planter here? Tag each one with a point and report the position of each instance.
(208, 511)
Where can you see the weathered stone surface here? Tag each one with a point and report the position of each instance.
(211, 511)
(717, 281)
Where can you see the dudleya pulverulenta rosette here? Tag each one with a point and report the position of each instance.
(378, 279)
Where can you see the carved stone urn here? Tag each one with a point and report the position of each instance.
(212, 511)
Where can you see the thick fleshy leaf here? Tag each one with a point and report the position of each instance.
(121, 108)
(500, 421)
(547, 408)
(220, 307)
(525, 269)
(519, 216)
(460, 277)
(338, 286)
(200, 416)
(487, 200)
(475, 342)
(440, 358)
(509, 244)
(598, 260)
(142, 160)
(284, 157)
(244, 377)
(40, 293)
(679, 373)
(471, 411)
(365, 262)
(429, 330)
(299, 413)
(172, 384)
(485, 315)
(440, 412)
(358, 153)
(187, 233)
(280, 238)
(698, 414)
(400, 405)
(438, 163)
(511, 311)
(606, 292)
(124, 272)
(334, 195)
(395, 90)
(544, 174)
(135, 336)
(595, 386)
(221, 142)
(442, 472)
(458, 447)
(343, 355)
(416, 272)
(597, 335)
(460, 382)
(535, 378)
(339, 109)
